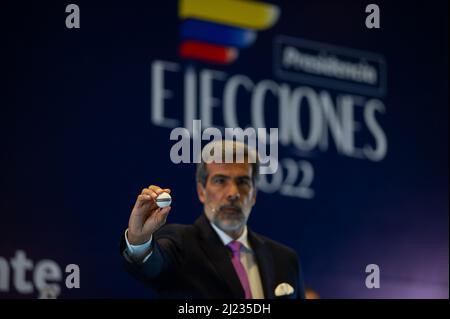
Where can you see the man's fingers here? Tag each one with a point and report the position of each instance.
(143, 199)
(149, 195)
(163, 213)
(150, 192)
(158, 190)
(154, 187)
(165, 210)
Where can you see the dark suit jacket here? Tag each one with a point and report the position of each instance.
(190, 261)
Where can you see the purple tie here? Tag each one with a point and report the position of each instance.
(235, 247)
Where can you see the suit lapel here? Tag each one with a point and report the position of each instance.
(219, 256)
(265, 264)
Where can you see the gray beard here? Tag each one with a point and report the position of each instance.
(228, 226)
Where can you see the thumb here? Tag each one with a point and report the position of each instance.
(165, 211)
(162, 214)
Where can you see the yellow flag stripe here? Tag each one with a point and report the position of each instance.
(244, 14)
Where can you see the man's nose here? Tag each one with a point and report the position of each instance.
(233, 193)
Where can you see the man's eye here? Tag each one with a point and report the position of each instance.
(219, 180)
(244, 182)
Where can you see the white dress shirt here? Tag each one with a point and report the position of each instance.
(140, 253)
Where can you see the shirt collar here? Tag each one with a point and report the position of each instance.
(243, 239)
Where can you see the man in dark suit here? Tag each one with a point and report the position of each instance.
(218, 256)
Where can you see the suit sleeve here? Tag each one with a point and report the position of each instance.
(165, 259)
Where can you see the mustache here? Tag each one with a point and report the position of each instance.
(237, 208)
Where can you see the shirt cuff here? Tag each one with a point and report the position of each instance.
(138, 253)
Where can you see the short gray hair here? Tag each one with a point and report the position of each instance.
(250, 156)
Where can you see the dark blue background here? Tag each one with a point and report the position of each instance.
(78, 146)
